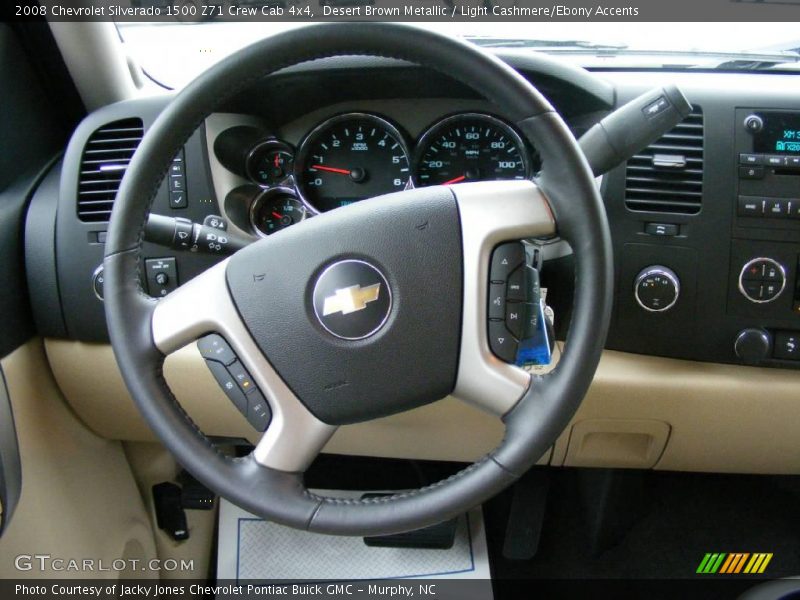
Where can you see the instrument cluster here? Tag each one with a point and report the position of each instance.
(357, 155)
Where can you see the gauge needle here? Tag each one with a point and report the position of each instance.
(277, 215)
(458, 179)
(331, 169)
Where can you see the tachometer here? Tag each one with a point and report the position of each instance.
(349, 158)
(470, 147)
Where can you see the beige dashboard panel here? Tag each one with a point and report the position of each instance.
(79, 499)
(723, 418)
(89, 377)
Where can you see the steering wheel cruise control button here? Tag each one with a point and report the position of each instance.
(235, 381)
(229, 385)
(258, 412)
(242, 377)
(214, 347)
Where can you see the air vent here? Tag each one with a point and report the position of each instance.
(105, 159)
(667, 176)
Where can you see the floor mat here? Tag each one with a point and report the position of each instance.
(251, 548)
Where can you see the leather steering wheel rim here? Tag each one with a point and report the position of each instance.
(533, 423)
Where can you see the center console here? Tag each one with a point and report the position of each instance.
(765, 252)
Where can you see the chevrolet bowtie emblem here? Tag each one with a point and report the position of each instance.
(351, 299)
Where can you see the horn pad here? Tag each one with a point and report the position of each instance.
(359, 309)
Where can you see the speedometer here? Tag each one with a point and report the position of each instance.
(470, 147)
(349, 158)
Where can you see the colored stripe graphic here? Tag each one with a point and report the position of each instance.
(758, 563)
(734, 563)
(728, 562)
(711, 563)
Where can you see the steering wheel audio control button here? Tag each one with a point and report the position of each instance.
(502, 343)
(505, 259)
(515, 318)
(497, 301)
(214, 347)
(515, 291)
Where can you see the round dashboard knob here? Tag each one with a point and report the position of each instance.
(753, 123)
(657, 288)
(752, 345)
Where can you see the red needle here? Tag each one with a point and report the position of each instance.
(276, 215)
(331, 169)
(277, 161)
(455, 180)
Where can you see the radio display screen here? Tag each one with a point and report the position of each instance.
(781, 134)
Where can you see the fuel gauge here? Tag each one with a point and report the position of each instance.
(275, 210)
(270, 163)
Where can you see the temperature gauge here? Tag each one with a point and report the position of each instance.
(276, 210)
(270, 163)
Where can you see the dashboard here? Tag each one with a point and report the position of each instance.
(704, 226)
(705, 221)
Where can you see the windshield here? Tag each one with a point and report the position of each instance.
(173, 54)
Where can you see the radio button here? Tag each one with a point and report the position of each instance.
(751, 159)
(776, 208)
(794, 209)
(750, 206)
(753, 123)
(751, 172)
(776, 160)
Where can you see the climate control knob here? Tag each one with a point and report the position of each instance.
(657, 288)
(752, 345)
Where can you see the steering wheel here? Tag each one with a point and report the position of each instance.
(421, 258)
